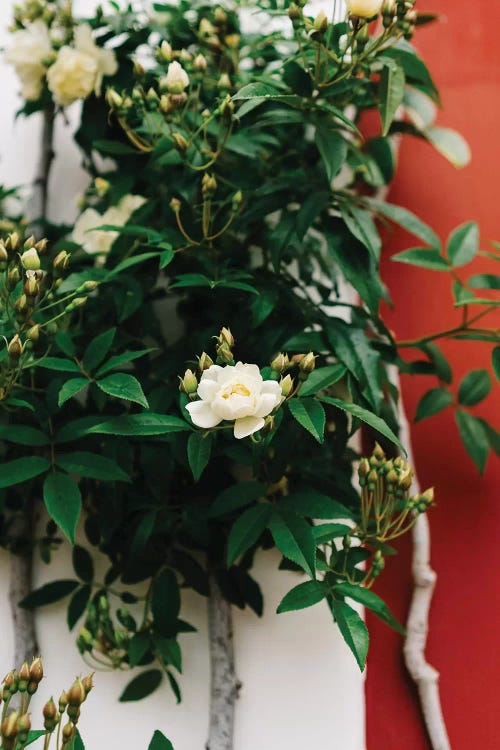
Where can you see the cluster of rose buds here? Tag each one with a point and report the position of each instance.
(305, 363)
(401, 16)
(99, 634)
(51, 12)
(387, 508)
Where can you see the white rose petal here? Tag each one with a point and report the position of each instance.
(105, 59)
(176, 79)
(99, 242)
(364, 8)
(30, 48)
(236, 394)
(72, 76)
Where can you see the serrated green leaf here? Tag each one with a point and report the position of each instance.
(21, 434)
(140, 425)
(58, 363)
(321, 378)
(474, 387)
(474, 437)
(91, 466)
(390, 94)
(49, 593)
(354, 349)
(422, 257)
(21, 469)
(325, 532)
(235, 497)
(142, 686)
(360, 223)
(368, 599)
(294, 538)
(97, 349)
(247, 530)
(121, 385)
(71, 388)
(333, 149)
(63, 501)
(310, 414)
(135, 260)
(432, 403)
(463, 244)
(364, 415)
(313, 504)
(304, 595)
(408, 221)
(122, 359)
(199, 448)
(353, 630)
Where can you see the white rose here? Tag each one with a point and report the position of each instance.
(105, 59)
(176, 79)
(72, 76)
(30, 48)
(130, 203)
(364, 8)
(79, 70)
(236, 394)
(97, 241)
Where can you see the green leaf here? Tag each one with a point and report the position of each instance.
(495, 361)
(408, 221)
(310, 415)
(165, 603)
(34, 735)
(122, 359)
(135, 260)
(49, 593)
(325, 532)
(463, 244)
(354, 349)
(264, 92)
(443, 369)
(78, 605)
(368, 599)
(114, 148)
(138, 646)
(166, 257)
(322, 378)
(63, 501)
(474, 387)
(58, 363)
(82, 564)
(390, 94)
(71, 388)
(236, 497)
(140, 425)
(91, 466)
(364, 415)
(199, 448)
(353, 630)
(160, 742)
(361, 225)
(333, 149)
(484, 281)
(97, 349)
(432, 403)
(22, 434)
(247, 530)
(450, 144)
(474, 437)
(294, 538)
(21, 469)
(422, 257)
(142, 686)
(304, 595)
(121, 385)
(312, 504)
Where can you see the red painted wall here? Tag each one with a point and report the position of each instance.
(464, 56)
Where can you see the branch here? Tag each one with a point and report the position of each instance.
(424, 580)
(224, 685)
(39, 203)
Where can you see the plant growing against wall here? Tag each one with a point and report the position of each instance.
(244, 206)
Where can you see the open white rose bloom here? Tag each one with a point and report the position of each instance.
(236, 394)
(28, 52)
(98, 241)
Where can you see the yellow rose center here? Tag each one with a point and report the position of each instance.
(237, 389)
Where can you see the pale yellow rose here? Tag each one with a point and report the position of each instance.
(97, 241)
(105, 59)
(30, 49)
(364, 8)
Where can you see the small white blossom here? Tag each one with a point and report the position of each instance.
(176, 79)
(30, 48)
(98, 241)
(236, 394)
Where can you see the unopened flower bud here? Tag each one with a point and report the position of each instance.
(165, 104)
(4, 256)
(308, 362)
(10, 683)
(138, 69)
(36, 668)
(29, 242)
(76, 693)
(24, 674)
(224, 82)
(237, 201)
(9, 727)
(363, 471)
(50, 715)
(176, 79)
(320, 24)
(30, 260)
(175, 205)
(428, 496)
(74, 304)
(13, 242)
(23, 726)
(63, 702)
(41, 246)
(73, 713)
(226, 336)
(204, 362)
(286, 385)
(280, 362)
(101, 186)
(208, 185)
(61, 262)
(14, 350)
(13, 277)
(67, 733)
(206, 29)
(31, 288)
(114, 99)
(200, 63)
(165, 51)
(88, 683)
(189, 383)
(89, 286)
(224, 354)
(220, 15)
(180, 143)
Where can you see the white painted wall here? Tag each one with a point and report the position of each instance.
(301, 686)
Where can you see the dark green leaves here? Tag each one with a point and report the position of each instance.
(408, 221)
(91, 466)
(433, 402)
(199, 448)
(304, 595)
(82, 564)
(165, 603)
(160, 742)
(422, 257)
(322, 378)
(247, 530)
(71, 388)
(312, 504)
(474, 437)
(364, 415)
(236, 497)
(121, 385)
(368, 599)
(353, 630)
(333, 149)
(23, 435)
(310, 415)
(142, 686)
(495, 361)
(354, 349)
(474, 387)
(21, 469)
(390, 92)
(63, 502)
(97, 349)
(463, 244)
(140, 425)
(49, 593)
(295, 540)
